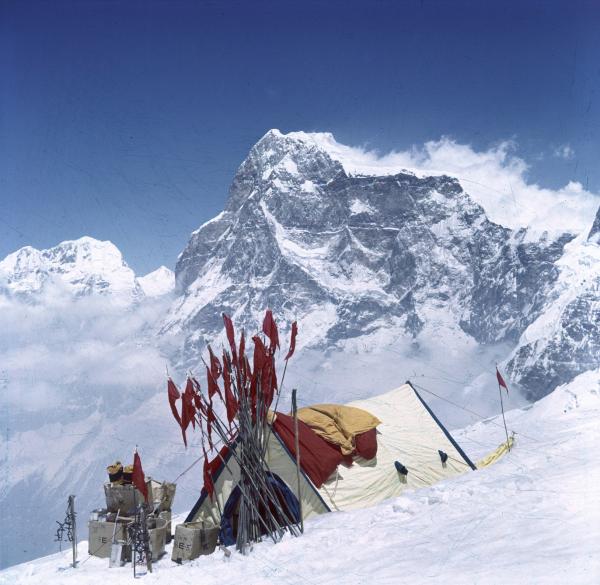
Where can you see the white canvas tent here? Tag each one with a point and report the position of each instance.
(409, 435)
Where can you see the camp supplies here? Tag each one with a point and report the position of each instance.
(98, 514)
(127, 473)
(166, 515)
(101, 535)
(157, 528)
(122, 497)
(193, 539)
(161, 495)
(115, 472)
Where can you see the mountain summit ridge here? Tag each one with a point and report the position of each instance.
(357, 253)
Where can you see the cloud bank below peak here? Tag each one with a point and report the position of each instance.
(496, 178)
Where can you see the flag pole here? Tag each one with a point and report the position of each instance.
(503, 419)
(297, 446)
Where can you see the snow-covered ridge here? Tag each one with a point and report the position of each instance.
(157, 283)
(85, 266)
(404, 253)
(495, 178)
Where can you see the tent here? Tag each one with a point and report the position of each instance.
(414, 450)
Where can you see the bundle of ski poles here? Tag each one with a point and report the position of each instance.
(236, 409)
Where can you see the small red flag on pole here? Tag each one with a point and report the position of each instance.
(174, 395)
(270, 330)
(290, 353)
(501, 381)
(137, 477)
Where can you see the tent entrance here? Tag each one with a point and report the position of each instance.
(287, 501)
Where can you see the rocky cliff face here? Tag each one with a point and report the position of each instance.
(351, 254)
(564, 340)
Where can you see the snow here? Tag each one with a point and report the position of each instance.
(217, 217)
(81, 266)
(579, 271)
(357, 206)
(157, 283)
(533, 517)
(323, 265)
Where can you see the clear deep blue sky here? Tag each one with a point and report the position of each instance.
(126, 120)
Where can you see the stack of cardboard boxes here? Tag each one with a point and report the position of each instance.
(108, 526)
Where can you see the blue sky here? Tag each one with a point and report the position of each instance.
(126, 120)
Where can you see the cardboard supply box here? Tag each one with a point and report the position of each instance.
(122, 498)
(192, 539)
(101, 537)
(157, 531)
(167, 516)
(161, 494)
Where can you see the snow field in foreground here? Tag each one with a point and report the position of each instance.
(532, 518)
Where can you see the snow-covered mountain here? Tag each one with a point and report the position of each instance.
(564, 340)
(392, 273)
(351, 254)
(157, 283)
(83, 267)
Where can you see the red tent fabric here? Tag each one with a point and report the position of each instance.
(366, 444)
(317, 457)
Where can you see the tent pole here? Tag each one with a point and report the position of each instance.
(297, 446)
(503, 419)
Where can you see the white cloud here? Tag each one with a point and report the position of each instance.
(496, 178)
(60, 354)
(564, 151)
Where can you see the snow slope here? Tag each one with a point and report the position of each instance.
(532, 518)
(159, 282)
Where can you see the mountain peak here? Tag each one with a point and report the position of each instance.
(157, 283)
(83, 265)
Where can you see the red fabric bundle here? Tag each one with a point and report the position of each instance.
(366, 444)
(318, 458)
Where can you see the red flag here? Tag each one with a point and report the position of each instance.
(213, 375)
(198, 402)
(290, 353)
(173, 397)
(268, 382)
(230, 401)
(213, 387)
(260, 354)
(270, 329)
(242, 346)
(209, 486)
(188, 410)
(240, 370)
(215, 365)
(210, 418)
(230, 336)
(501, 381)
(137, 477)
